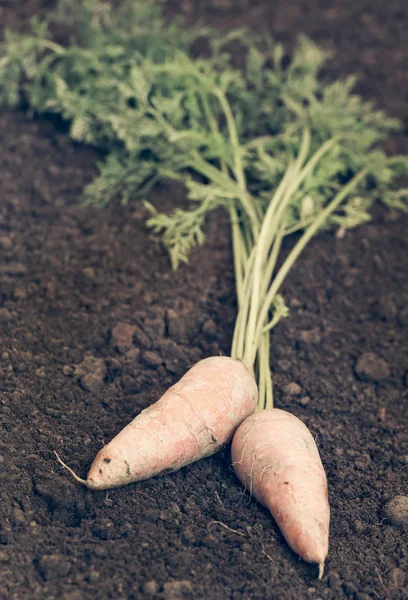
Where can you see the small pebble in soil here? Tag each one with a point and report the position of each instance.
(396, 510)
(177, 590)
(182, 326)
(141, 339)
(3, 557)
(397, 577)
(245, 547)
(151, 359)
(101, 551)
(122, 336)
(89, 273)
(93, 576)
(284, 364)
(53, 566)
(349, 280)
(17, 516)
(292, 389)
(304, 401)
(188, 536)
(378, 262)
(372, 368)
(295, 303)
(211, 541)
(126, 528)
(5, 315)
(57, 491)
(382, 413)
(344, 527)
(359, 527)
(14, 269)
(363, 596)
(209, 329)
(350, 589)
(133, 355)
(150, 588)
(6, 242)
(362, 461)
(68, 370)
(175, 359)
(91, 373)
(334, 581)
(103, 529)
(19, 294)
(311, 336)
(130, 385)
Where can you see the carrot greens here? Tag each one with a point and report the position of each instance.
(275, 145)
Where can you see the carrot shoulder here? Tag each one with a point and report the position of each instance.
(276, 458)
(192, 420)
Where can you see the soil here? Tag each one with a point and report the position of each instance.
(70, 275)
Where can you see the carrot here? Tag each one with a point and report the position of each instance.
(193, 419)
(276, 458)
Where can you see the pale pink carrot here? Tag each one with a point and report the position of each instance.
(276, 458)
(193, 419)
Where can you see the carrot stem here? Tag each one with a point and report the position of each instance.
(258, 291)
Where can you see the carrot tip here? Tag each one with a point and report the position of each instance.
(321, 570)
(74, 475)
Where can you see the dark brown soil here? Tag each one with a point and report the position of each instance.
(69, 275)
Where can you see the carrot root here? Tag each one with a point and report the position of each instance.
(276, 458)
(74, 475)
(321, 570)
(195, 418)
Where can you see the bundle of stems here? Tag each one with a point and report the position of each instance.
(258, 281)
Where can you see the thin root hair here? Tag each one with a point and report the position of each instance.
(74, 475)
